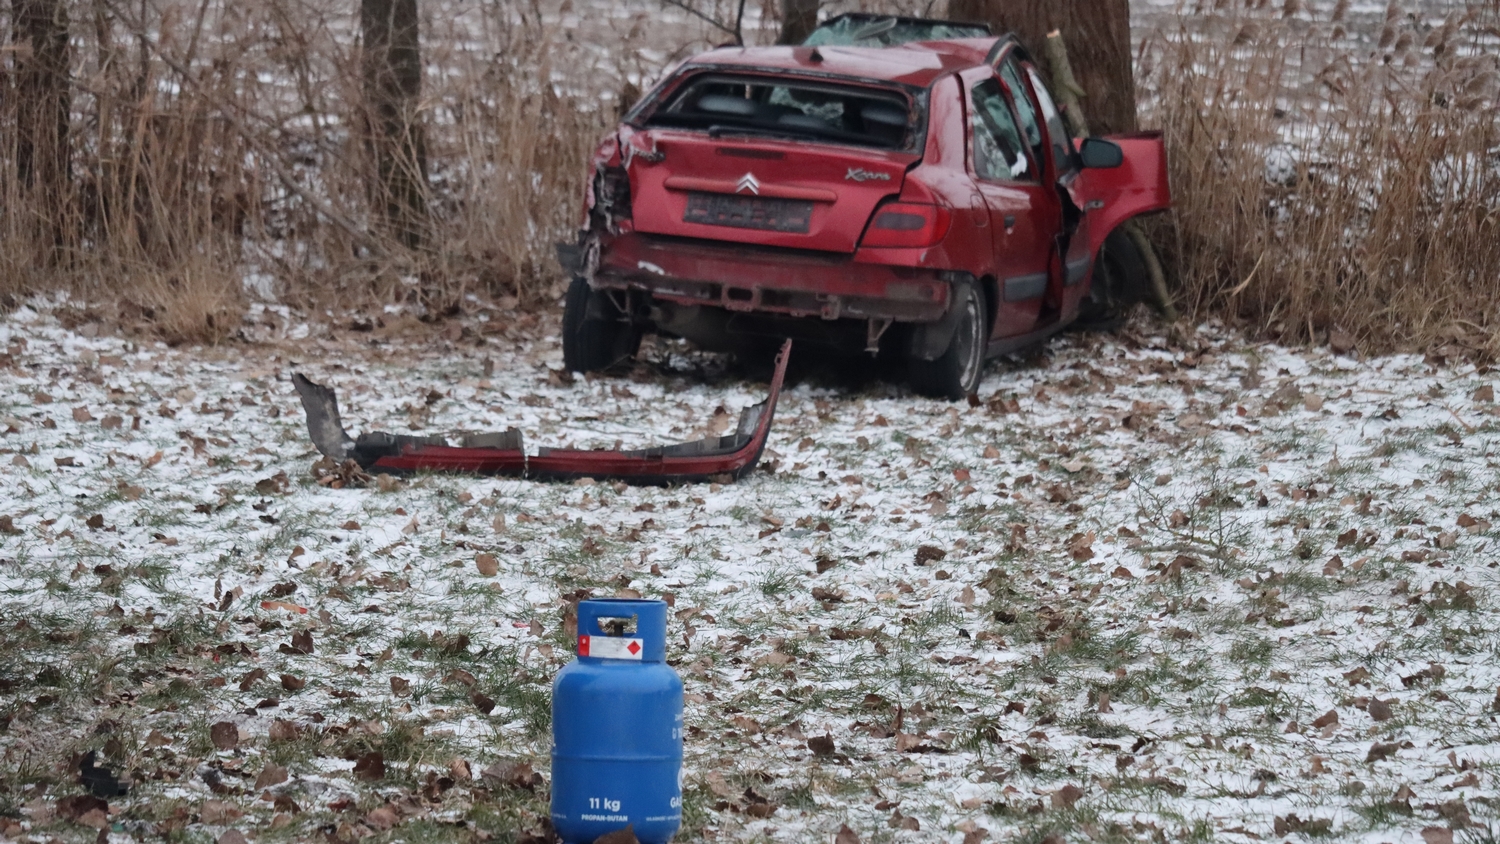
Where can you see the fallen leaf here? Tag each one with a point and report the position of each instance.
(283, 730)
(821, 745)
(400, 686)
(217, 811)
(225, 735)
(370, 767)
(845, 835)
(75, 807)
(1066, 796)
(718, 785)
(232, 836)
(1379, 710)
(292, 683)
(1327, 718)
(1437, 835)
(302, 644)
(518, 775)
(383, 818)
(929, 553)
(619, 836)
(1081, 546)
(271, 774)
(285, 606)
(487, 564)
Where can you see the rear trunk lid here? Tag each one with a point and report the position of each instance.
(769, 193)
(771, 161)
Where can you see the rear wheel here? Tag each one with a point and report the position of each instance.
(596, 335)
(1120, 280)
(956, 373)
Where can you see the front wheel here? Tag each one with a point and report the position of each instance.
(956, 373)
(1120, 280)
(596, 335)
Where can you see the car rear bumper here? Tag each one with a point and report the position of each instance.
(751, 279)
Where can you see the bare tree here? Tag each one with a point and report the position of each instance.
(392, 69)
(1098, 40)
(798, 19)
(43, 106)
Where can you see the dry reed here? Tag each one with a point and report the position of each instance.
(1327, 190)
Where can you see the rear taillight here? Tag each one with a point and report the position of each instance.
(612, 192)
(908, 224)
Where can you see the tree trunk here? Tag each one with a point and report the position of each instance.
(798, 18)
(1098, 39)
(43, 106)
(393, 86)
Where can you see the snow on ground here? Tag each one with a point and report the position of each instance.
(1152, 586)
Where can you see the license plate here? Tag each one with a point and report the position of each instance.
(749, 212)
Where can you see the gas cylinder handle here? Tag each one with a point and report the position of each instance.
(617, 625)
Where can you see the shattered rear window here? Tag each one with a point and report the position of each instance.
(867, 31)
(811, 110)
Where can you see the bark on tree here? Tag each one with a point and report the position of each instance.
(43, 106)
(798, 19)
(1098, 38)
(392, 68)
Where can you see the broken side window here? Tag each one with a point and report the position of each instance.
(998, 151)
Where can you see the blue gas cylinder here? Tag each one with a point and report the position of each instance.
(617, 727)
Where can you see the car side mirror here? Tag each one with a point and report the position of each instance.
(1099, 154)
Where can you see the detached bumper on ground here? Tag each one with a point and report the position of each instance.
(723, 459)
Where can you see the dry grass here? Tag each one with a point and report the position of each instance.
(1327, 188)
(214, 144)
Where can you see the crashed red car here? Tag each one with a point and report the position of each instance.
(922, 200)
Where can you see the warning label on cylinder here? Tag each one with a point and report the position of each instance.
(610, 647)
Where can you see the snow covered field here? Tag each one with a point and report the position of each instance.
(1151, 587)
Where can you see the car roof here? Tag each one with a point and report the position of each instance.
(917, 63)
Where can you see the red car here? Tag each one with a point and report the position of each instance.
(921, 199)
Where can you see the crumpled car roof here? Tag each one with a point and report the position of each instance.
(916, 64)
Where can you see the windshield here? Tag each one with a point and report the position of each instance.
(879, 31)
(726, 104)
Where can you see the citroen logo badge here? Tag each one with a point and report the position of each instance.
(748, 182)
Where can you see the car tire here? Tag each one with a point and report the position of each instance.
(1119, 281)
(591, 342)
(956, 373)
